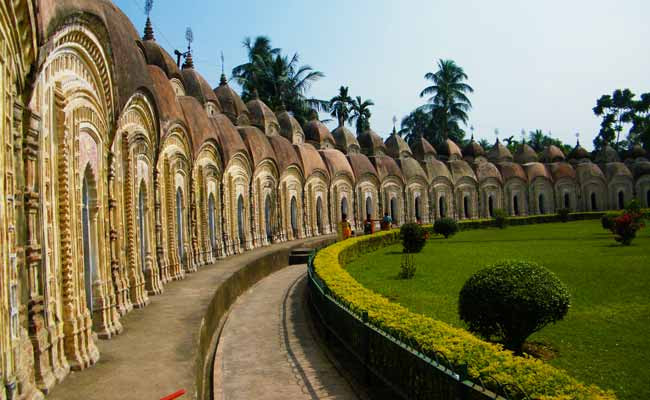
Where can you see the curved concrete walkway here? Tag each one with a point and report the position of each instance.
(267, 350)
(157, 353)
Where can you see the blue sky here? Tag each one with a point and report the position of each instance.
(533, 64)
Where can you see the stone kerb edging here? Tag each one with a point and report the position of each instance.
(226, 293)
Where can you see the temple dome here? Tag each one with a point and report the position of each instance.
(525, 154)
(199, 88)
(317, 134)
(397, 146)
(473, 150)
(579, 154)
(345, 140)
(371, 143)
(607, 154)
(552, 154)
(499, 153)
(290, 128)
(449, 150)
(262, 117)
(231, 104)
(422, 148)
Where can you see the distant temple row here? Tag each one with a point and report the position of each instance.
(122, 172)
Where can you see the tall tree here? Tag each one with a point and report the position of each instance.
(538, 140)
(621, 109)
(360, 114)
(447, 101)
(339, 105)
(278, 80)
(415, 125)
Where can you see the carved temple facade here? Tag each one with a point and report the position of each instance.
(122, 172)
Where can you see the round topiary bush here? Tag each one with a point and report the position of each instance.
(563, 214)
(607, 220)
(413, 237)
(445, 227)
(510, 300)
(500, 218)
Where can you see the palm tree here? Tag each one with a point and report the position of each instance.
(249, 75)
(339, 105)
(361, 114)
(278, 80)
(415, 125)
(485, 144)
(448, 101)
(536, 140)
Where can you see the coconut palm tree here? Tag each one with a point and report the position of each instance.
(361, 114)
(415, 125)
(339, 105)
(249, 75)
(447, 100)
(278, 80)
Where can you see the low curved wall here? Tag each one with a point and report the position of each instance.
(409, 351)
(225, 295)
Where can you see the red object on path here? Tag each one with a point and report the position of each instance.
(174, 395)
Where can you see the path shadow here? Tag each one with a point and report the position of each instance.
(319, 377)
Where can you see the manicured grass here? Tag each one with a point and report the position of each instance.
(605, 338)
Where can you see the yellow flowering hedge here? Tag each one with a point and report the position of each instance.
(538, 379)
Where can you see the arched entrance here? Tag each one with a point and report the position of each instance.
(594, 204)
(89, 197)
(369, 206)
(515, 204)
(319, 215)
(466, 206)
(567, 201)
(418, 214)
(211, 225)
(344, 206)
(393, 209)
(441, 207)
(542, 209)
(179, 225)
(142, 226)
(294, 217)
(240, 218)
(267, 218)
(621, 200)
(490, 206)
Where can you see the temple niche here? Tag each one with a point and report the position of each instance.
(123, 171)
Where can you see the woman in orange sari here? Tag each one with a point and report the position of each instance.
(345, 230)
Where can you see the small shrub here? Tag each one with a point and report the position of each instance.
(445, 227)
(607, 220)
(407, 267)
(510, 300)
(563, 214)
(626, 225)
(500, 218)
(413, 238)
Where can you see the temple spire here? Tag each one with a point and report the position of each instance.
(189, 61)
(148, 27)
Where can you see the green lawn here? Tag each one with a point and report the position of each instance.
(605, 338)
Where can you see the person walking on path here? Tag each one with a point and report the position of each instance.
(386, 222)
(368, 226)
(345, 230)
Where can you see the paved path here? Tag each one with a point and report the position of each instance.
(267, 350)
(156, 353)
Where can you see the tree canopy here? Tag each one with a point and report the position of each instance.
(622, 111)
(278, 80)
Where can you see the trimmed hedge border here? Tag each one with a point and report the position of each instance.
(429, 336)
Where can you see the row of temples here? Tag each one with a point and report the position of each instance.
(122, 172)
